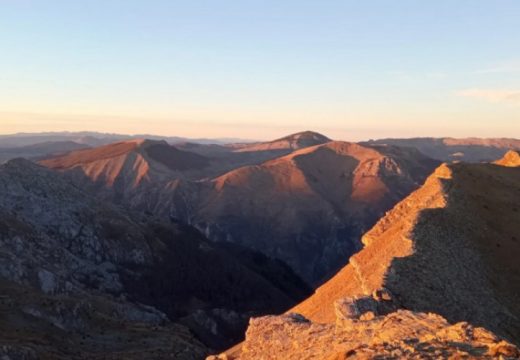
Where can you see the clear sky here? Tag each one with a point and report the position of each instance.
(352, 69)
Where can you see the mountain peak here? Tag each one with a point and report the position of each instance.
(287, 143)
(308, 138)
(144, 143)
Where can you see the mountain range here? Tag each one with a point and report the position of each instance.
(141, 248)
(453, 149)
(93, 138)
(303, 199)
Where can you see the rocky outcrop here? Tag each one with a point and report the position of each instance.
(401, 334)
(449, 248)
(80, 261)
(511, 159)
(85, 326)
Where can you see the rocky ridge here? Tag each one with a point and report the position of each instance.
(402, 334)
(449, 248)
(438, 277)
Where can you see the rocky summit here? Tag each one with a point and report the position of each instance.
(402, 334)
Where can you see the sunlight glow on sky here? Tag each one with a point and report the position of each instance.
(261, 68)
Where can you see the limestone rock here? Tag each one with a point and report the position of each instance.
(398, 335)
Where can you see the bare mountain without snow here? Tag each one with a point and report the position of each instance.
(304, 199)
(438, 277)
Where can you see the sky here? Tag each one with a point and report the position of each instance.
(259, 69)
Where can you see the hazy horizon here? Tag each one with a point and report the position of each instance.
(262, 70)
(231, 138)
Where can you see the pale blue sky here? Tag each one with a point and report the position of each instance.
(260, 69)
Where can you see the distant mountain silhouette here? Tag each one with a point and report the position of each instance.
(93, 138)
(452, 149)
(39, 150)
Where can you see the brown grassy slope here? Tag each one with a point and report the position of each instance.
(88, 155)
(451, 247)
(127, 164)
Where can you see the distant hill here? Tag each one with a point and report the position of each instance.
(39, 150)
(127, 164)
(291, 142)
(92, 138)
(452, 149)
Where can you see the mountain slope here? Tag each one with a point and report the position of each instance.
(124, 166)
(60, 244)
(307, 208)
(451, 149)
(451, 248)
